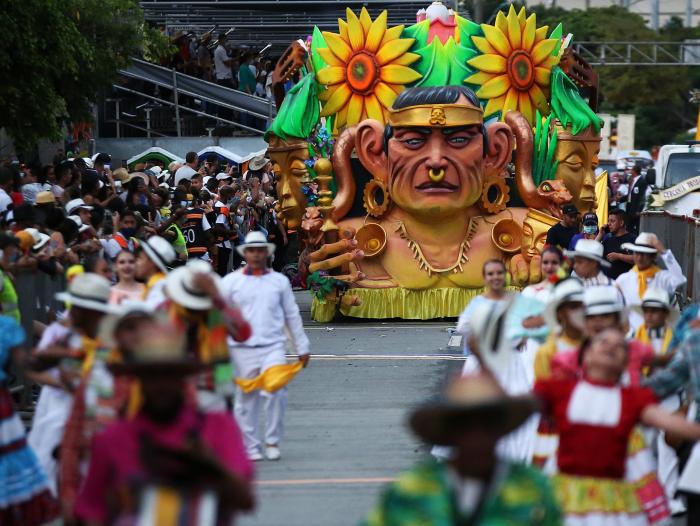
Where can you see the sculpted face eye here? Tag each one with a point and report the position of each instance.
(546, 187)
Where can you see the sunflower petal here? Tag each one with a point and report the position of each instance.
(406, 59)
(529, 32)
(341, 118)
(325, 94)
(483, 45)
(501, 22)
(542, 50)
(549, 62)
(374, 109)
(356, 34)
(355, 109)
(331, 75)
(521, 17)
(337, 100)
(329, 58)
(480, 78)
(343, 29)
(366, 20)
(539, 99)
(393, 50)
(338, 46)
(497, 39)
(513, 28)
(495, 87)
(525, 106)
(541, 33)
(511, 101)
(385, 95)
(392, 34)
(489, 63)
(376, 32)
(494, 105)
(398, 74)
(542, 76)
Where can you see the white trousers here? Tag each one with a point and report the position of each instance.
(249, 363)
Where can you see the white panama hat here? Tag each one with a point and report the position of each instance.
(40, 239)
(657, 299)
(589, 249)
(74, 204)
(180, 288)
(487, 324)
(603, 300)
(644, 243)
(82, 227)
(256, 239)
(568, 290)
(89, 291)
(159, 251)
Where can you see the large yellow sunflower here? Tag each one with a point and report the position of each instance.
(515, 65)
(367, 69)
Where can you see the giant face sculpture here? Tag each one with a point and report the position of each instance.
(578, 159)
(290, 171)
(535, 228)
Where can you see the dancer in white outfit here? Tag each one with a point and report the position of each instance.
(265, 297)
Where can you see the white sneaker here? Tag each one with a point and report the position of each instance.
(255, 456)
(272, 453)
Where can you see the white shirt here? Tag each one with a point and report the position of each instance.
(5, 200)
(599, 280)
(222, 70)
(268, 304)
(222, 219)
(668, 280)
(184, 172)
(156, 295)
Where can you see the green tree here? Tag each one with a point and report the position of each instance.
(56, 56)
(656, 95)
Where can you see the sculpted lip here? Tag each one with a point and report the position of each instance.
(436, 188)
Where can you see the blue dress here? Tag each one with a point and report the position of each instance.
(24, 495)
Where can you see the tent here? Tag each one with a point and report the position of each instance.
(227, 156)
(154, 154)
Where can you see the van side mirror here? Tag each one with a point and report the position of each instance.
(651, 176)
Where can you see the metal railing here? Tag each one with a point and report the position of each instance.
(639, 53)
(681, 235)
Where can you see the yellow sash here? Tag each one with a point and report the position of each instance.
(643, 336)
(642, 276)
(155, 278)
(272, 379)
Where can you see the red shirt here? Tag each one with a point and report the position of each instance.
(594, 421)
(115, 462)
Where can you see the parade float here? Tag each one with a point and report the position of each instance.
(406, 157)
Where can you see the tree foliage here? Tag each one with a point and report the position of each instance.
(58, 54)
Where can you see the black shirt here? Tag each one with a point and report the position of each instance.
(560, 235)
(612, 244)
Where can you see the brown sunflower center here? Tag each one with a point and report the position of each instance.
(521, 70)
(362, 72)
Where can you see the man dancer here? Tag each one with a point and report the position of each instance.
(266, 298)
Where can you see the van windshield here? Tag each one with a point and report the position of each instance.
(682, 166)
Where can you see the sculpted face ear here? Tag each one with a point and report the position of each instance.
(500, 148)
(369, 145)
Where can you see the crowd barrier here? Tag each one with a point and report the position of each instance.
(681, 235)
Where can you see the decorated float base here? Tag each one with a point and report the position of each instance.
(399, 303)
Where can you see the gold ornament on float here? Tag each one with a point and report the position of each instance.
(507, 235)
(495, 195)
(369, 198)
(371, 239)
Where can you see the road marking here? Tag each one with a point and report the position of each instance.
(317, 482)
(375, 327)
(382, 356)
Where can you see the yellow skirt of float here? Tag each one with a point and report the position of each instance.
(397, 302)
(272, 379)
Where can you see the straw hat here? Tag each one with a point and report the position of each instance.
(45, 198)
(589, 249)
(644, 243)
(566, 291)
(602, 300)
(121, 174)
(180, 287)
(257, 163)
(89, 291)
(256, 239)
(466, 399)
(657, 299)
(161, 351)
(159, 251)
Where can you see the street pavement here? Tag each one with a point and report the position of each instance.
(346, 433)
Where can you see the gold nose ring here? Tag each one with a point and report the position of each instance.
(436, 175)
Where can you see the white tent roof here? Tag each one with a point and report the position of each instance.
(231, 156)
(155, 149)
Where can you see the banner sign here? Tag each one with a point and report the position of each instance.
(676, 191)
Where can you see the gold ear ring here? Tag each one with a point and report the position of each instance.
(376, 206)
(495, 195)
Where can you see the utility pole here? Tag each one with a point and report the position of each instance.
(688, 13)
(654, 15)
